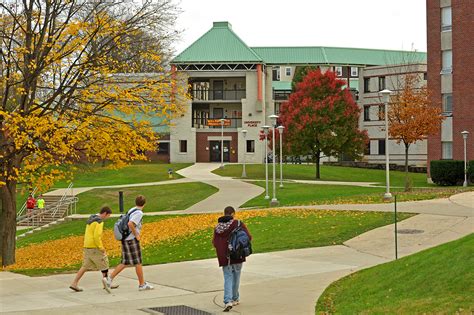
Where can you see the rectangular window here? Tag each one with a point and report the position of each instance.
(338, 71)
(382, 147)
(381, 112)
(447, 61)
(447, 150)
(183, 146)
(276, 73)
(367, 149)
(250, 146)
(354, 72)
(381, 83)
(288, 71)
(448, 103)
(446, 19)
(163, 148)
(366, 85)
(366, 113)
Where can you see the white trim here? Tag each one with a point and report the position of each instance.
(219, 138)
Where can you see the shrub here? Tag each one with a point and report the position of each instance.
(447, 172)
(470, 171)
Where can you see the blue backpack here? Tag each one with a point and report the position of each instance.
(121, 229)
(239, 245)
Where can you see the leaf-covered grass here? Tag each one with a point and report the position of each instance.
(435, 281)
(296, 229)
(159, 198)
(329, 173)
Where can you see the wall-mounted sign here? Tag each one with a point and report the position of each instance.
(252, 123)
(217, 122)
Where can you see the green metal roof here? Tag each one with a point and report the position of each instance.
(219, 44)
(281, 85)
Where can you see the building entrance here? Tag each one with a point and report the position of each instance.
(215, 151)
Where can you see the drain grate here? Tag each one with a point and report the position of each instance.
(410, 231)
(177, 310)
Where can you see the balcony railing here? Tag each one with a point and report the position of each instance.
(217, 95)
(214, 123)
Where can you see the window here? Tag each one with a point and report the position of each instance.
(183, 146)
(447, 150)
(448, 103)
(446, 19)
(367, 149)
(425, 76)
(382, 147)
(163, 148)
(276, 73)
(354, 72)
(447, 61)
(366, 85)
(338, 71)
(381, 112)
(381, 83)
(250, 146)
(288, 71)
(366, 113)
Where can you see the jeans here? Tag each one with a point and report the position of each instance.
(231, 282)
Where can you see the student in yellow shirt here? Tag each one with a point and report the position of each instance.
(95, 256)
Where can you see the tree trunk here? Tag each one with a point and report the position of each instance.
(8, 223)
(317, 160)
(407, 180)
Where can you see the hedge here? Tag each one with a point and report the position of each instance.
(447, 172)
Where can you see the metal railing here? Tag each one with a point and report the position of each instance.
(23, 208)
(203, 123)
(217, 95)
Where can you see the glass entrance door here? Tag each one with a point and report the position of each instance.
(215, 151)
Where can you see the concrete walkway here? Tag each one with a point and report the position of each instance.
(287, 282)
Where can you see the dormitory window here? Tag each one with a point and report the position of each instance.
(354, 72)
(447, 61)
(446, 19)
(288, 71)
(382, 147)
(250, 146)
(448, 103)
(366, 113)
(366, 85)
(338, 71)
(381, 83)
(276, 74)
(183, 146)
(381, 112)
(447, 150)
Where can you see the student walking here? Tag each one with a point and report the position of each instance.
(231, 267)
(40, 204)
(30, 205)
(95, 256)
(131, 250)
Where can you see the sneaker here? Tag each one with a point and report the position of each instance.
(235, 303)
(106, 281)
(146, 286)
(228, 307)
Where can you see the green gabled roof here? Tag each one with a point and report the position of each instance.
(281, 85)
(219, 44)
(291, 55)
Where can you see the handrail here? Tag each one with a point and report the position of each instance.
(23, 208)
(63, 197)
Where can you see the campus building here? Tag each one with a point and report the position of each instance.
(450, 34)
(244, 85)
(372, 81)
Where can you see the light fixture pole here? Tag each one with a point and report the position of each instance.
(274, 118)
(222, 120)
(465, 133)
(280, 131)
(385, 94)
(265, 131)
(244, 134)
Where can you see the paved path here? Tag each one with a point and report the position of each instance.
(287, 282)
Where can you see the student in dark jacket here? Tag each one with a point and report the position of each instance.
(231, 268)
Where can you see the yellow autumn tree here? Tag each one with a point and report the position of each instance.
(412, 118)
(62, 99)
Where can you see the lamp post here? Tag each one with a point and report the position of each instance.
(265, 131)
(280, 131)
(244, 134)
(274, 118)
(465, 133)
(385, 94)
(222, 120)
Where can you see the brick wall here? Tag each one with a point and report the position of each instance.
(203, 155)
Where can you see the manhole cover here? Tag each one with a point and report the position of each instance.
(177, 310)
(410, 231)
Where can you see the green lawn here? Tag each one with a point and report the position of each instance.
(435, 281)
(335, 173)
(296, 229)
(159, 198)
(309, 194)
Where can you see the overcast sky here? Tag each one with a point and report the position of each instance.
(383, 24)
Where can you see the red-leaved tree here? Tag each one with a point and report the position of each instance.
(321, 118)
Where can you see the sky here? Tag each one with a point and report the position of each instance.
(379, 24)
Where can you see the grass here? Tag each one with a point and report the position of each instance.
(435, 281)
(296, 229)
(159, 198)
(329, 173)
(310, 194)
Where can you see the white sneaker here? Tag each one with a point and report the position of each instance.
(235, 303)
(106, 281)
(228, 307)
(146, 286)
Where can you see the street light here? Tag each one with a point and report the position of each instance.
(274, 118)
(222, 120)
(280, 132)
(244, 134)
(385, 94)
(265, 131)
(465, 133)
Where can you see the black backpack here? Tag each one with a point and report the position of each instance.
(121, 229)
(238, 244)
